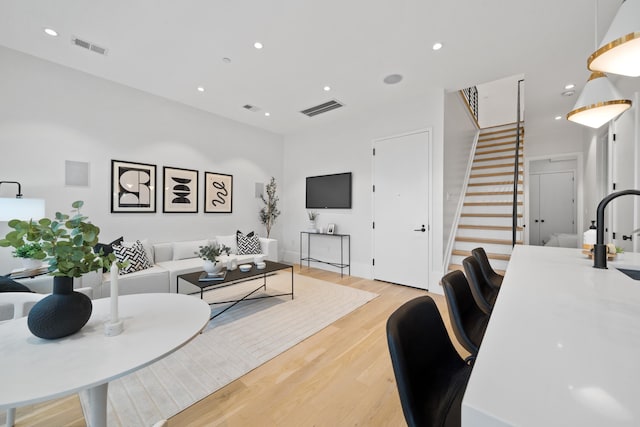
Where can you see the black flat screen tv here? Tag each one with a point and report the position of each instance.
(329, 191)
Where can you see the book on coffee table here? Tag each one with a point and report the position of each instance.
(206, 277)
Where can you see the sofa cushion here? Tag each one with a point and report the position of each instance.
(10, 285)
(185, 250)
(229, 241)
(248, 244)
(136, 255)
(148, 248)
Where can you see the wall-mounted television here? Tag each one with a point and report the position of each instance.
(329, 191)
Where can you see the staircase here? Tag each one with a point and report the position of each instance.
(486, 218)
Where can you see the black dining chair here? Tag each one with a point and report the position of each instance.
(468, 321)
(484, 294)
(490, 275)
(430, 374)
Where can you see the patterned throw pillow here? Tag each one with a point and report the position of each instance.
(135, 254)
(249, 244)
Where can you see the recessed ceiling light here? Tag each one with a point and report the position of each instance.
(568, 93)
(437, 46)
(51, 32)
(558, 117)
(569, 86)
(327, 88)
(226, 60)
(257, 45)
(392, 79)
(200, 89)
(267, 114)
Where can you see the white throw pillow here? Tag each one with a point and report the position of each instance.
(134, 254)
(228, 241)
(184, 250)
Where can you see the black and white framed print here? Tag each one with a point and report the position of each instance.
(133, 187)
(180, 188)
(218, 193)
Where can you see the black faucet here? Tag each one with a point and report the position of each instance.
(600, 249)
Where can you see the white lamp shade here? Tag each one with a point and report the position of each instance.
(598, 103)
(619, 52)
(24, 209)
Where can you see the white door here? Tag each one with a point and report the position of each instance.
(622, 208)
(552, 198)
(401, 210)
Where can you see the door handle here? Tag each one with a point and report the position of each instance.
(536, 220)
(629, 237)
(421, 229)
(542, 220)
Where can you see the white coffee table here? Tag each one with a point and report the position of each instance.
(34, 370)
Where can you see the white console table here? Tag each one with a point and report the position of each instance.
(341, 265)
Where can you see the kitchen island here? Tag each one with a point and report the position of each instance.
(561, 348)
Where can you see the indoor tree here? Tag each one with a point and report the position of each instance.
(269, 211)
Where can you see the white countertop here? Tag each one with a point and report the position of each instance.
(562, 346)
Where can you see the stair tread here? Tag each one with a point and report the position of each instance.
(490, 203)
(494, 132)
(511, 139)
(488, 215)
(483, 240)
(485, 175)
(492, 183)
(501, 150)
(492, 193)
(501, 257)
(489, 159)
(488, 227)
(501, 165)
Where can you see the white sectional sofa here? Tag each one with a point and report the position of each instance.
(168, 259)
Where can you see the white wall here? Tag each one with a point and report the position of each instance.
(459, 134)
(346, 146)
(50, 113)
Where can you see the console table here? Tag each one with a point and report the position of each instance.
(342, 264)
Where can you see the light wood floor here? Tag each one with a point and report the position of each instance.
(341, 376)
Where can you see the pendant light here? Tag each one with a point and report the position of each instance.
(619, 52)
(599, 101)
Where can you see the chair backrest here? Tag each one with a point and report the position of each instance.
(490, 275)
(467, 320)
(430, 375)
(482, 291)
(14, 305)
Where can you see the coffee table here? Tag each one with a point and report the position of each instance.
(235, 277)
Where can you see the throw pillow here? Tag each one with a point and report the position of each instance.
(148, 248)
(248, 244)
(9, 285)
(136, 255)
(107, 248)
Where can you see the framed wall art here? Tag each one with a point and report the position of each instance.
(133, 187)
(180, 190)
(218, 193)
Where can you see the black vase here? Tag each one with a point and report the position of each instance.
(62, 313)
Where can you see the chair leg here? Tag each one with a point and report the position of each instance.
(11, 417)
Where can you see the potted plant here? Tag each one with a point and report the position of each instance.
(210, 254)
(67, 242)
(269, 212)
(313, 216)
(31, 254)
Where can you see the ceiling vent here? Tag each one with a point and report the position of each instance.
(251, 107)
(322, 108)
(89, 46)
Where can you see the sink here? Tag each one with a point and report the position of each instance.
(634, 274)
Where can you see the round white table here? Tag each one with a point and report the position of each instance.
(34, 370)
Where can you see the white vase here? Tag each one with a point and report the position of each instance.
(31, 264)
(312, 226)
(212, 267)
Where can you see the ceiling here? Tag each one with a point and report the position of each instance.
(169, 48)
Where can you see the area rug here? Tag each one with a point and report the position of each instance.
(241, 339)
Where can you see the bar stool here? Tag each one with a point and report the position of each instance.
(484, 294)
